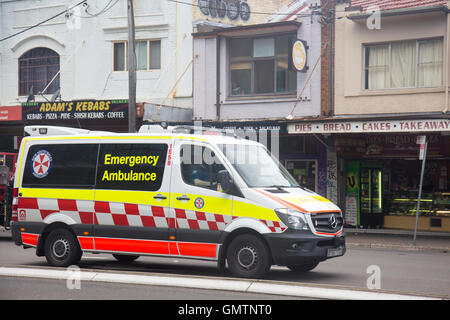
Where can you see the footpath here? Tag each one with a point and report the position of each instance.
(397, 240)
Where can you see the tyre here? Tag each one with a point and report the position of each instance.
(304, 267)
(125, 257)
(62, 248)
(248, 257)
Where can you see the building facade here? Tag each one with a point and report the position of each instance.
(391, 82)
(245, 77)
(61, 66)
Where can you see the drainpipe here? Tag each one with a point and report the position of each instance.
(331, 89)
(447, 56)
(218, 38)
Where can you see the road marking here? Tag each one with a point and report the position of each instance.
(209, 283)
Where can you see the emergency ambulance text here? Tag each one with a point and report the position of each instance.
(131, 160)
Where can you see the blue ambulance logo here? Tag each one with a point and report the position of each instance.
(199, 203)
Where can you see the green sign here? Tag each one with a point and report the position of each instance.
(352, 178)
(352, 210)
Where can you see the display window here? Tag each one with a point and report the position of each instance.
(404, 189)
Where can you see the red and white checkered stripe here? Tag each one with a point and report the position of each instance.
(128, 214)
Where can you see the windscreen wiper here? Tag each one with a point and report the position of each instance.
(278, 186)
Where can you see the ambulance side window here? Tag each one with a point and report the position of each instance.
(200, 166)
(61, 166)
(128, 166)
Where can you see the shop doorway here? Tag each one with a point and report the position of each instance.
(371, 195)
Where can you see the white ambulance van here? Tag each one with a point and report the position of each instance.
(171, 193)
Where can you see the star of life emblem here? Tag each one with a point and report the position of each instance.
(199, 203)
(41, 164)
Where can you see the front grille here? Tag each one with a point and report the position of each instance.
(323, 222)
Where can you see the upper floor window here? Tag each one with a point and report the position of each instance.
(37, 67)
(148, 55)
(261, 66)
(406, 64)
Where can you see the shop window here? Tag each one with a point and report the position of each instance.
(148, 55)
(298, 144)
(37, 67)
(406, 64)
(261, 66)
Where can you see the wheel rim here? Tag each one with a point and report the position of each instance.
(61, 248)
(247, 257)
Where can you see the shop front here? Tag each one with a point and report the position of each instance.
(103, 115)
(382, 181)
(380, 172)
(11, 130)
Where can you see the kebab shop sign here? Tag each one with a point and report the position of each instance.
(371, 126)
(75, 110)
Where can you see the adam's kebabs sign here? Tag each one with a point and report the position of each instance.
(75, 110)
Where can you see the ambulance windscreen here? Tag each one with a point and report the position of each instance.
(257, 166)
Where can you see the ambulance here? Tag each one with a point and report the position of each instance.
(170, 192)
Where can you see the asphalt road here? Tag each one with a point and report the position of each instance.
(405, 272)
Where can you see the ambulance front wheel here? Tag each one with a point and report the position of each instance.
(62, 248)
(248, 257)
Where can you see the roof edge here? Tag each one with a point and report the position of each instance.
(224, 31)
(402, 11)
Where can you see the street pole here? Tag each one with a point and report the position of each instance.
(420, 190)
(131, 61)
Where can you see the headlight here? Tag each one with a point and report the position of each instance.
(292, 218)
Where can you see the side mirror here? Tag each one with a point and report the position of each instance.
(225, 181)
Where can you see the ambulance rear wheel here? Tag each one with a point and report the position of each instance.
(248, 257)
(62, 248)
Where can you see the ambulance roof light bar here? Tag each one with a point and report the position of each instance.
(205, 131)
(186, 129)
(55, 131)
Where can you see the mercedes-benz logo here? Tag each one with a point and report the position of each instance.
(332, 221)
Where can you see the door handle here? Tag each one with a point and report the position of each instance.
(183, 198)
(160, 197)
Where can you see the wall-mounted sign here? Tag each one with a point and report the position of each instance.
(11, 113)
(225, 8)
(395, 145)
(428, 125)
(299, 55)
(75, 110)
